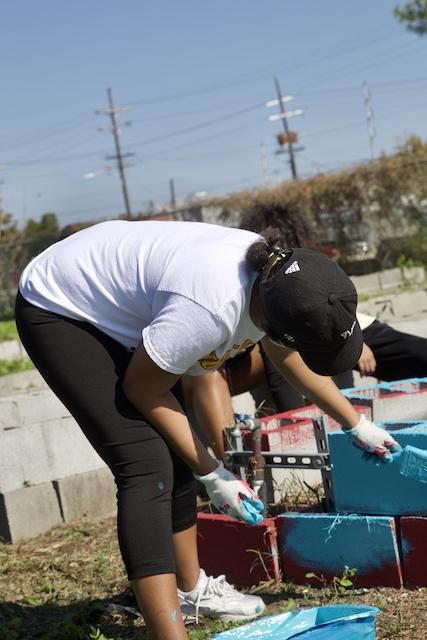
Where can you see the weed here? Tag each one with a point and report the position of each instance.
(338, 585)
(8, 330)
(96, 634)
(14, 366)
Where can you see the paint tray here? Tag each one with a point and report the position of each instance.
(413, 463)
(337, 622)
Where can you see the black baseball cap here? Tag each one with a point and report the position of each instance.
(309, 304)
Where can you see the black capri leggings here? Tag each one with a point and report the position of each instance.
(155, 489)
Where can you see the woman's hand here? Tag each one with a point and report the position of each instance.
(232, 496)
(366, 435)
(367, 363)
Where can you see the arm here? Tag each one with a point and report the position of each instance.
(320, 389)
(328, 397)
(148, 388)
(210, 401)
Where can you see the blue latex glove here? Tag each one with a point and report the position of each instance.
(232, 496)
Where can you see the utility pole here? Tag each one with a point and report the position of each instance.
(112, 111)
(286, 128)
(172, 195)
(263, 154)
(5, 274)
(288, 138)
(1, 207)
(367, 99)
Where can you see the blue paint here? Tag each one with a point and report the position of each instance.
(326, 543)
(335, 622)
(161, 486)
(405, 546)
(363, 484)
(173, 616)
(413, 463)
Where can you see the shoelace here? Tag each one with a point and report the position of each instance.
(215, 586)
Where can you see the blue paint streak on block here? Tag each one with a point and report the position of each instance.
(363, 484)
(335, 622)
(366, 392)
(413, 464)
(327, 543)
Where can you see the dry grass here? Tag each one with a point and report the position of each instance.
(61, 585)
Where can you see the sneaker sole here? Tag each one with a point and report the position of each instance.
(190, 617)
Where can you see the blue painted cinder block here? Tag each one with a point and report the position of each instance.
(324, 544)
(363, 484)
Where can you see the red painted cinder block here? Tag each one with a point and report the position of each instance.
(246, 554)
(312, 411)
(324, 544)
(282, 438)
(413, 538)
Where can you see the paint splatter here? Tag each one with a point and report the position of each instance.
(173, 616)
(161, 485)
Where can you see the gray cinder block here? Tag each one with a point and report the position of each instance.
(27, 512)
(22, 381)
(23, 458)
(68, 450)
(29, 408)
(390, 278)
(408, 406)
(91, 494)
(11, 350)
(44, 452)
(367, 284)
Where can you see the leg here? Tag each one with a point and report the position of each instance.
(163, 615)
(84, 368)
(399, 355)
(187, 561)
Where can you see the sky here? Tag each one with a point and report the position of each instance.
(195, 77)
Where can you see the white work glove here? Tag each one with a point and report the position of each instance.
(366, 435)
(232, 496)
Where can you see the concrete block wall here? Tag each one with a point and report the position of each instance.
(388, 279)
(392, 401)
(13, 383)
(49, 473)
(29, 407)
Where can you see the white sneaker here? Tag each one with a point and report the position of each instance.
(216, 598)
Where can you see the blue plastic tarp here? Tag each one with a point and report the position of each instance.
(337, 622)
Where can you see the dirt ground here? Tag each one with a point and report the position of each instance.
(69, 585)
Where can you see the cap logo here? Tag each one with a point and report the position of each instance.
(349, 332)
(288, 337)
(293, 267)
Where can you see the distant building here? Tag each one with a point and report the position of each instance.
(209, 214)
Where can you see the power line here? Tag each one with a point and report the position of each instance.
(312, 57)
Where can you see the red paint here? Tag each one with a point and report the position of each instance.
(388, 575)
(225, 544)
(413, 531)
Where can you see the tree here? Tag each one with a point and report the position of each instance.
(413, 15)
